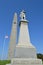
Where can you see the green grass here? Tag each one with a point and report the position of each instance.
(42, 62)
(4, 62)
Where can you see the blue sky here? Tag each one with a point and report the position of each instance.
(34, 14)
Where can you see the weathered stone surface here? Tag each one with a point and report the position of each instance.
(12, 43)
(24, 48)
(26, 61)
(23, 52)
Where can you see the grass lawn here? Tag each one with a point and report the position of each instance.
(42, 61)
(4, 62)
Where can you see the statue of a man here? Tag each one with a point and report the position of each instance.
(22, 15)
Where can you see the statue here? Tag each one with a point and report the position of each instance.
(22, 15)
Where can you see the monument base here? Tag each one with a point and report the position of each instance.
(25, 61)
(25, 52)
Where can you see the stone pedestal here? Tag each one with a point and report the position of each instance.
(24, 48)
(26, 61)
(25, 52)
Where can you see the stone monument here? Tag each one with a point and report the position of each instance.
(25, 52)
(24, 48)
(13, 37)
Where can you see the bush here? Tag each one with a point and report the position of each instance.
(40, 56)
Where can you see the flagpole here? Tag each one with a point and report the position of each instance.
(4, 46)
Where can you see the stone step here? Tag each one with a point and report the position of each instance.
(26, 61)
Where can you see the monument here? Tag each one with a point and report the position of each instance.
(24, 48)
(13, 36)
(25, 52)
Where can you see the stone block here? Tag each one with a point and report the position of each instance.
(25, 61)
(23, 52)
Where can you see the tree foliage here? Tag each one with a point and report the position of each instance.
(40, 56)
